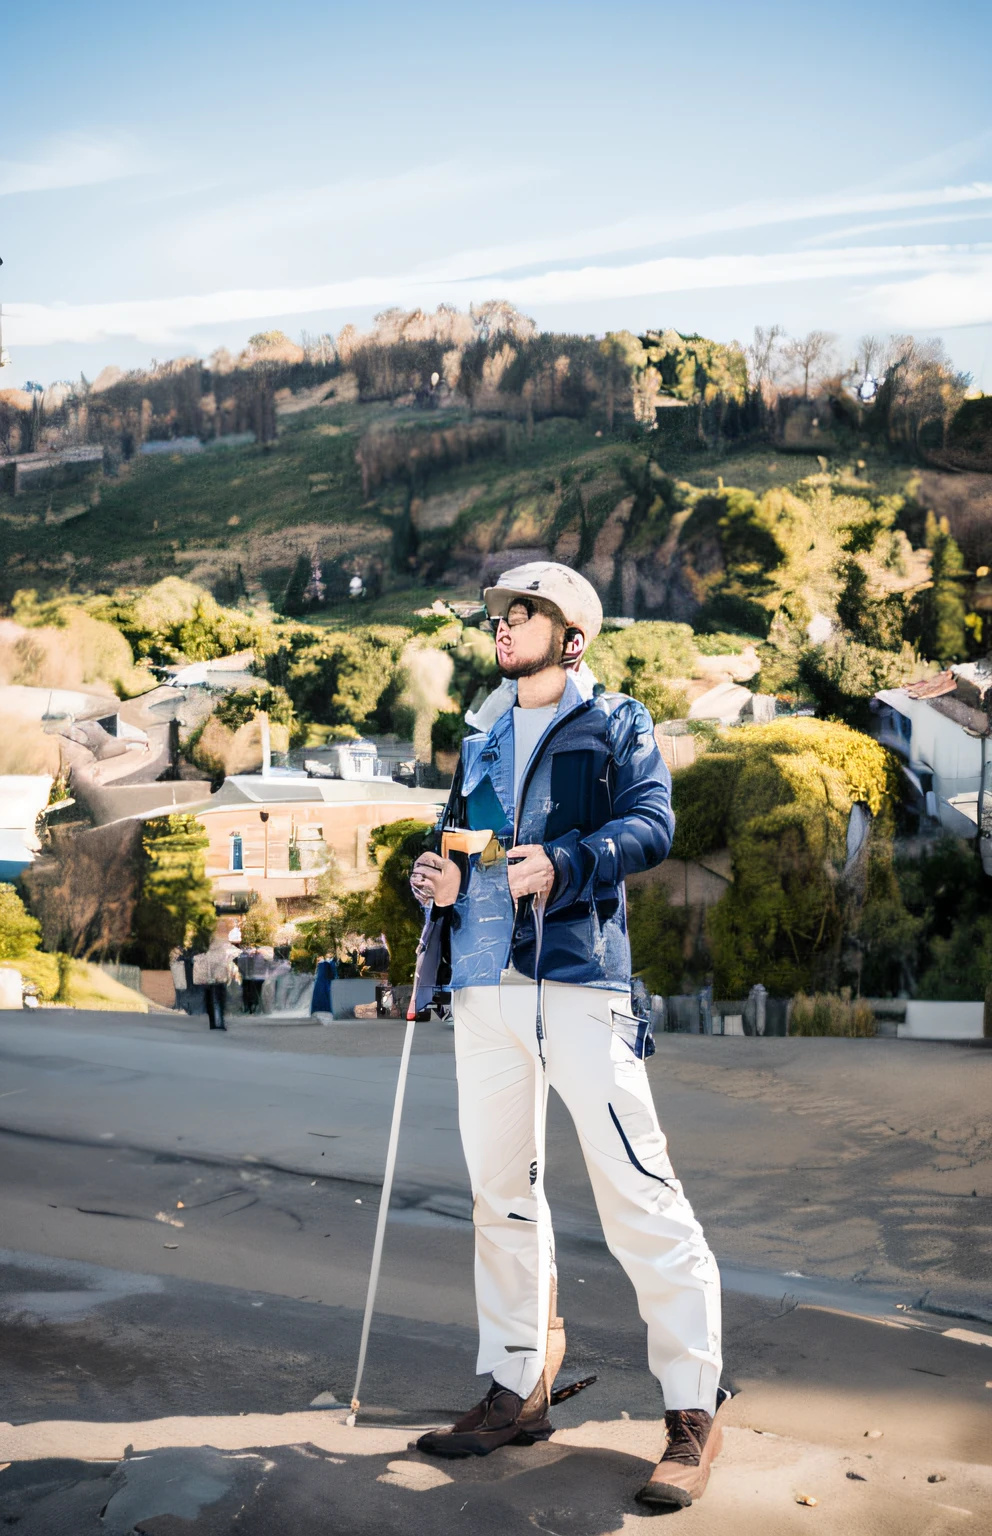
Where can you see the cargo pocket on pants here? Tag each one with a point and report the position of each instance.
(635, 1032)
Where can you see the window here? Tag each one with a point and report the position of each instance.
(237, 851)
(307, 850)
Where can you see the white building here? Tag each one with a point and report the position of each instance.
(940, 729)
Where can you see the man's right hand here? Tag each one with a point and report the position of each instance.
(436, 880)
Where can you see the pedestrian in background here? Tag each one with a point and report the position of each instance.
(253, 965)
(214, 970)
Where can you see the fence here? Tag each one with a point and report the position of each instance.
(127, 975)
(697, 1013)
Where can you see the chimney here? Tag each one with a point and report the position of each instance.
(266, 745)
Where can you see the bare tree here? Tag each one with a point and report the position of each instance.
(85, 890)
(870, 352)
(809, 352)
(760, 355)
(498, 317)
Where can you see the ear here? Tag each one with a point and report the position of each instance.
(575, 644)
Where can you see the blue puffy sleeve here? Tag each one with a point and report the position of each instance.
(639, 834)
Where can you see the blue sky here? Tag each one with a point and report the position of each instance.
(174, 178)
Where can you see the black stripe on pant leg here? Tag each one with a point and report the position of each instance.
(630, 1151)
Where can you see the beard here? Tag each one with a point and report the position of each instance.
(551, 658)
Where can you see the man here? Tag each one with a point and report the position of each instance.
(214, 970)
(570, 784)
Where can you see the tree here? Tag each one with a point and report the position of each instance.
(843, 676)
(808, 353)
(939, 616)
(20, 933)
(294, 598)
(498, 317)
(260, 922)
(760, 355)
(176, 901)
(779, 797)
(391, 908)
(85, 890)
(657, 932)
(621, 357)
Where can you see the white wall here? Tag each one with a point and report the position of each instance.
(942, 1021)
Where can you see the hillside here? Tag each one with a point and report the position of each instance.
(412, 502)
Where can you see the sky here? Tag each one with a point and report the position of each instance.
(175, 178)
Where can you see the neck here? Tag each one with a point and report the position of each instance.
(541, 688)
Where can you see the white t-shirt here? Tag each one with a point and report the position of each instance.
(529, 725)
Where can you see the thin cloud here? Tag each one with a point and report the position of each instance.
(70, 162)
(938, 300)
(349, 201)
(641, 232)
(959, 269)
(852, 230)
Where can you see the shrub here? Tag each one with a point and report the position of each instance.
(657, 931)
(779, 796)
(828, 1014)
(260, 922)
(391, 908)
(658, 650)
(20, 933)
(241, 706)
(448, 731)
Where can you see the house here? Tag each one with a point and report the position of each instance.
(277, 835)
(939, 728)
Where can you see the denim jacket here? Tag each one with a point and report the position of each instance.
(597, 795)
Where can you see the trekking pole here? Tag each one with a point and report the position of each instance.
(387, 1188)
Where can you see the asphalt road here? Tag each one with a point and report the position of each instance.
(188, 1220)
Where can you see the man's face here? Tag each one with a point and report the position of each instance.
(527, 641)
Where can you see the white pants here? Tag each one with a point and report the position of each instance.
(647, 1221)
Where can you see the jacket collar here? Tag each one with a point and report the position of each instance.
(579, 685)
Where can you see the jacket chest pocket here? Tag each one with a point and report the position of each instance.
(580, 794)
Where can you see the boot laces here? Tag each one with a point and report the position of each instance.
(492, 1402)
(688, 1430)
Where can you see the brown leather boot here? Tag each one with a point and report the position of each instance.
(694, 1442)
(502, 1418)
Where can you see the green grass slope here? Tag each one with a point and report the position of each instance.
(236, 519)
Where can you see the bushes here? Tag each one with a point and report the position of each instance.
(343, 678)
(20, 933)
(175, 620)
(648, 650)
(391, 908)
(62, 646)
(779, 796)
(657, 932)
(260, 922)
(824, 1014)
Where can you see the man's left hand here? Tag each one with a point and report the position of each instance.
(534, 875)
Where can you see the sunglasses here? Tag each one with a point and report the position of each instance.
(493, 622)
